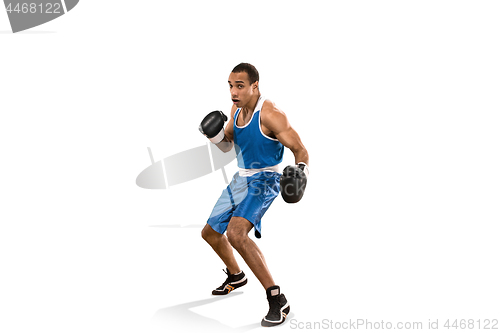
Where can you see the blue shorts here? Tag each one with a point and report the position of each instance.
(247, 197)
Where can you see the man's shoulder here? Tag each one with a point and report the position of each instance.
(270, 109)
(268, 105)
(272, 116)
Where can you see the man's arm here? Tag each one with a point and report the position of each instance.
(276, 121)
(227, 143)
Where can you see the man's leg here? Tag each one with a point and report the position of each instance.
(237, 236)
(221, 246)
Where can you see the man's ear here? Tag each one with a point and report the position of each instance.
(255, 85)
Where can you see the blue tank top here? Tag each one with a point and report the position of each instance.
(255, 150)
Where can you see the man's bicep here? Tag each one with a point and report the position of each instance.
(290, 139)
(229, 131)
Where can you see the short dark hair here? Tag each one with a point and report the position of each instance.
(253, 74)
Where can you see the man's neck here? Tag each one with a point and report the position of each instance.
(250, 107)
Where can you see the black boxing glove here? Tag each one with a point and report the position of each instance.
(293, 182)
(212, 126)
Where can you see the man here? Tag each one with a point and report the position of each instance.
(259, 132)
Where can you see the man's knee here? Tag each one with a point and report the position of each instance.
(236, 238)
(209, 234)
(237, 232)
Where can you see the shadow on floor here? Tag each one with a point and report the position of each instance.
(181, 317)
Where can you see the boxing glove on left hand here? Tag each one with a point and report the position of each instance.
(293, 182)
(212, 126)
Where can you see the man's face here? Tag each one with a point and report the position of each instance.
(240, 88)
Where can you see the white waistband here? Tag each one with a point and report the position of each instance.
(251, 172)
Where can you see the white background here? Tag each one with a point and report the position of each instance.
(396, 101)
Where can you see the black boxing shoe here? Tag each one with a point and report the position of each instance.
(232, 282)
(278, 307)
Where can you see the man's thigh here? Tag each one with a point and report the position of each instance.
(239, 225)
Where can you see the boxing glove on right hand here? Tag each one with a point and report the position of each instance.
(293, 182)
(212, 126)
